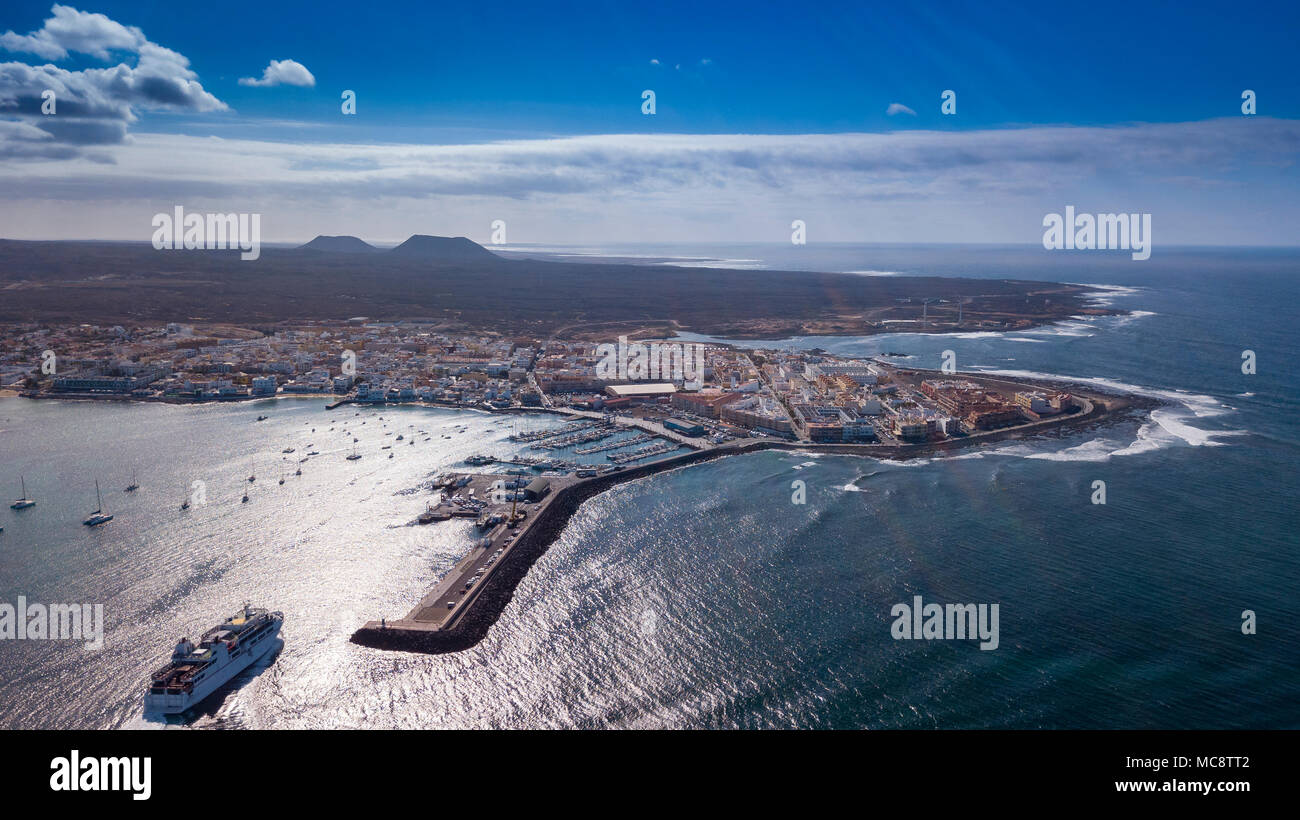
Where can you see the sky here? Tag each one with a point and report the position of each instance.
(533, 114)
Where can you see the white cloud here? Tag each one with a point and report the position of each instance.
(899, 108)
(282, 72)
(72, 30)
(654, 61)
(95, 106)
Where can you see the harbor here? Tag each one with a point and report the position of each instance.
(457, 612)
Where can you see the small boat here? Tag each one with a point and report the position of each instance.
(132, 487)
(390, 455)
(298, 471)
(24, 502)
(98, 516)
(355, 455)
(261, 418)
(287, 450)
(244, 500)
(185, 505)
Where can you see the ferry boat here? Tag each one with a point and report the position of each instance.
(478, 459)
(196, 671)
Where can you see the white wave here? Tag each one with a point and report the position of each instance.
(1150, 436)
(851, 488)
(1105, 295)
(1172, 420)
(875, 272)
(1131, 316)
(911, 462)
(1194, 436)
(1067, 329)
(1035, 341)
(979, 334)
(1095, 450)
(1246, 395)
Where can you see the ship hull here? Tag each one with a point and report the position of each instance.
(175, 704)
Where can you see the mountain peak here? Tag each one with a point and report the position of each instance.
(338, 244)
(454, 248)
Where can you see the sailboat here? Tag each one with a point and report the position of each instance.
(98, 516)
(281, 476)
(24, 502)
(132, 487)
(355, 455)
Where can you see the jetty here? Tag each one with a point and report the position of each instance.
(463, 605)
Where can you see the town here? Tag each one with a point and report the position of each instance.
(803, 396)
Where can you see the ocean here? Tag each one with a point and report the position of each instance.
(704, 597)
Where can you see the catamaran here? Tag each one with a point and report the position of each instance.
(132, 487)
(98, 516)
(24, 502)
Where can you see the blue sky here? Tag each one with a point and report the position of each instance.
(1083, 102)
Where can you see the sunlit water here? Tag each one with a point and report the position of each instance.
(704, 597)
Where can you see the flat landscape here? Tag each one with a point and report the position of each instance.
(466, 287)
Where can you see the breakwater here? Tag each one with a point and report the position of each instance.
(473, 623)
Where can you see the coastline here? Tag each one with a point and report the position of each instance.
(483, 608)
(483, 605)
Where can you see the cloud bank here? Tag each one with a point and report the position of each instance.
(93, 107)
(992, 185)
